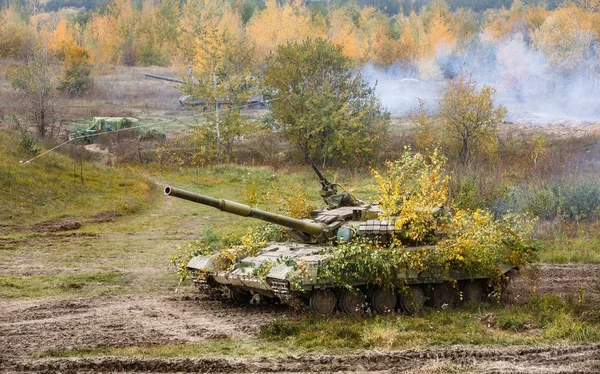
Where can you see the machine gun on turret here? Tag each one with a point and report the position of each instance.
(329, 191)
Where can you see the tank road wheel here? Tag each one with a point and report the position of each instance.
(473, 291)
(352, 301)
(383, 301)
(240, 297)
(413, 301)
(322, 302)
(444, 294)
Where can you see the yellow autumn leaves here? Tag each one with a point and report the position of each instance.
(434, 239)
(414, 192)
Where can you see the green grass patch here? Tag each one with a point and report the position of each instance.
(582, 250)
(544, 320)
(571, 242)
(254, 186)
(35, 286)
(53, 186)
(214, 348)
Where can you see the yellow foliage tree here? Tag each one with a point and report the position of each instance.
(212, 36)
(345, 33)
(439, 35)
(408, 44)
(14, 32)
(567, 38)
(278, 24)
(112, 35)
(470, 119)
(62, 39)
(156, 32)
(75, 79)
(383, 47)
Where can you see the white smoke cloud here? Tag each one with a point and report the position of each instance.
(527, 84)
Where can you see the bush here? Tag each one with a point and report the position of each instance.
(479, 189)
(542, 202)
(579, 200)
(575, 199)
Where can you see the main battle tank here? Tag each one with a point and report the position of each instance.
(345, 218)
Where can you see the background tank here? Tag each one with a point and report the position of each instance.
(257, 101)
(273, 272)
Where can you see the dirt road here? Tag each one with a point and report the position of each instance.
(30, 327)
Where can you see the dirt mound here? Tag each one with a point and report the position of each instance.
(62, 224)
(66, 223)
(72, 223)
(572, 359)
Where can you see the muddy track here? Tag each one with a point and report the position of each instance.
(565, 280)
(32, 327)
(572, 359)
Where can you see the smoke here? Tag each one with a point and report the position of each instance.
(534, 88)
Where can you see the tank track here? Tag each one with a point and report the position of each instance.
(201, 283)
(281, 289)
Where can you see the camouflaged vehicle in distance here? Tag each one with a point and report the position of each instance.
(108, 125)
(257, 101)
(345, 218)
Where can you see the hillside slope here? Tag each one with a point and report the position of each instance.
(53, 186)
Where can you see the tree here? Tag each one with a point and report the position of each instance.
(223, 96)
(221, 77)
(470, 118)
(277, 24)
(37, 90)
(589, 5)
(112, 34)
(76, 79)
(569, 40)
(15, 33)
(156, 30)
(77, 67)
(321, 102)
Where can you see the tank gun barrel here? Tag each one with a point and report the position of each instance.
(232, 207)
(174, 80)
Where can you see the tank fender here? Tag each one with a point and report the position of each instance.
(202, 263)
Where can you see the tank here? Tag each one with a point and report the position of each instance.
(273, 275)
(257, 101)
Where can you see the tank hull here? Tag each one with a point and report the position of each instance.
(274, 273)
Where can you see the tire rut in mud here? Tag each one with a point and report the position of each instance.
(570, 359)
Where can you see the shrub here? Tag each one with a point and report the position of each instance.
(542, 202)
(579, 200)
